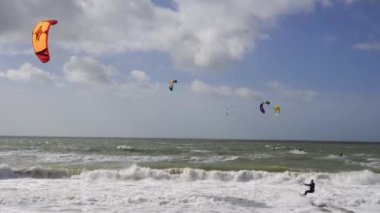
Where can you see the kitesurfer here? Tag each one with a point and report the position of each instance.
(171, 84)
(311, 185)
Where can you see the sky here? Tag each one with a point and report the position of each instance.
(111, 62)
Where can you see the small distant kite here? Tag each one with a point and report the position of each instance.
(277, 110)
(228, 109)
(40, 37)
(171, 84)
(262, 106)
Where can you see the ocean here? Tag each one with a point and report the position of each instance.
(57, 174)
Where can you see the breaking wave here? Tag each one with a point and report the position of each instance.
(136, 173)
(7, 172)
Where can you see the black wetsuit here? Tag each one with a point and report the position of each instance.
(311, 190)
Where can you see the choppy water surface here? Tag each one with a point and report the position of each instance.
(186, 175)
(94, 153)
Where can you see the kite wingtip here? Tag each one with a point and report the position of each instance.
(52, 22)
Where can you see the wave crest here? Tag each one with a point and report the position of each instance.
(7, 172)
(187, 174)
(136, 173)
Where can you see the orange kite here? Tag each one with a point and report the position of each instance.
(40, 39)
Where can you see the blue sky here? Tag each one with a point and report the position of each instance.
(110, 63)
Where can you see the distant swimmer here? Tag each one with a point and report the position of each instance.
(311, 185)
(341, 154)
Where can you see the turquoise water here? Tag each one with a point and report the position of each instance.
(78, 154)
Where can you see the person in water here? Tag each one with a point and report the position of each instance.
(311, 185)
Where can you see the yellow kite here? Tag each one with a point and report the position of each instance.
(276, 109)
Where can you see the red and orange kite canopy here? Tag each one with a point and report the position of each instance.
(40, 39)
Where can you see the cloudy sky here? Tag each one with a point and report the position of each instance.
(111, 62)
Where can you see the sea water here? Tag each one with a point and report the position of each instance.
(186, 175)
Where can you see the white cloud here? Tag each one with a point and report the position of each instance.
(198, 34)
(274, 85)
(304, 95)
(138, 85)
(18, 17)
(28, 73)
(141, 81)
(349, 2)
(248, 94)
(223, 91)
(201, 87)
(10, 50)
(87, 71)
(139, 76)
(368, 46)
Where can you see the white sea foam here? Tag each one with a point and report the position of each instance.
(374, 163)
(297, 152)
(140, 189)
(274, 147)
(361, 155)
(200, 151)
(140, 173)
(260, 156)
(125, 147)
(335, 157)
(135, 172)
(35, 157)
(212, 159)
(368, 162)
(371, 163)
